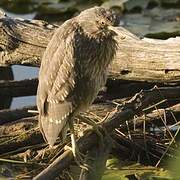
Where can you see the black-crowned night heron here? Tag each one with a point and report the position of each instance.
(73, 69)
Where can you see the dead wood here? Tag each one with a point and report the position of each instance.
(9, 115)
(96, 159)
(23, 133)
(27, 87)
(24, 41)
(136, 104)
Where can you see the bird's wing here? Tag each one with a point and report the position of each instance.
(56, 82)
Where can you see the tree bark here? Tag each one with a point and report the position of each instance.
(24, 42)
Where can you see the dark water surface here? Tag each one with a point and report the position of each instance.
(22, 72)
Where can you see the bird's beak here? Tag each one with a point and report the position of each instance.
(111, 28)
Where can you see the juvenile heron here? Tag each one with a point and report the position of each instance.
(73, 69)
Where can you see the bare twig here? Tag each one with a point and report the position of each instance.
(135, 105)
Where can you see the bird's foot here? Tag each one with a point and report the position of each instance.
(43, 152)
(40, 154)
(78, 157)
(100, 133)
(75, 150)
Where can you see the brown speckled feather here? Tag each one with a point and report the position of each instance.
(56, 81)
(73, 70)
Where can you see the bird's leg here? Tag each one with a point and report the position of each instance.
(75, 150)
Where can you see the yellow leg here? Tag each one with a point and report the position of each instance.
(75, 150)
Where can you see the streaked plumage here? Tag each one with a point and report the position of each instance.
(73, 69)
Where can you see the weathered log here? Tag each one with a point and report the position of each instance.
(21, 136)
(115, 89)
(24, 41)
(9, 115)
(27, 87)
(139, 102)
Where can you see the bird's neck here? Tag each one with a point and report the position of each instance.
(94, 54)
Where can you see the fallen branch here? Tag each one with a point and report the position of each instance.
(139, 102)
(26, 87)
(20, 137)
(24, 42)
(10, 115)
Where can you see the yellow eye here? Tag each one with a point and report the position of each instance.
(102, 23)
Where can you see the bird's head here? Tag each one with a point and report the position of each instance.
(96, 21)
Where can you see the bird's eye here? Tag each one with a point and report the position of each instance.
(102, 22)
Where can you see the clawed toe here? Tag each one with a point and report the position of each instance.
(78, 157)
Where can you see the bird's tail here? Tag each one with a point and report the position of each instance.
(54, 122)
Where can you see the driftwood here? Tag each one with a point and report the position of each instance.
(24, 41)
(8, 115)
(118, 88)
(139, 102)
(11, 88)
(21, 136)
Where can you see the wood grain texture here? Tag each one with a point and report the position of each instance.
(24, 42)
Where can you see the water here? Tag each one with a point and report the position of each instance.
(20, 73)
(23, 72)
(24, 16)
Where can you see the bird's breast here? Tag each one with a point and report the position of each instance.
(87, 89)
